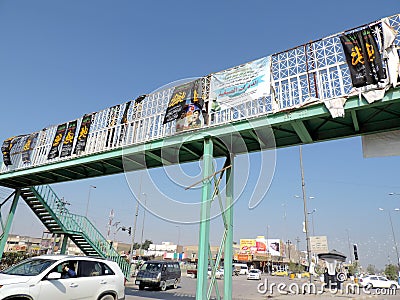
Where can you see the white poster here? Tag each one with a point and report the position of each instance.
(381, 144)
(237, 85)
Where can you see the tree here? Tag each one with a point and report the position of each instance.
(353, 268)
(371, 269)
(146, 244)
(391, 272)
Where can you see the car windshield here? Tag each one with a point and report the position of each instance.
(151, 267)
(29, 267)
(253, 271)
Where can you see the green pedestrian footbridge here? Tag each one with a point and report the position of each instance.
(303, 95)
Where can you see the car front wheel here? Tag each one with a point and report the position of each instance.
(163, 286)
(176, 284)
(393, 287)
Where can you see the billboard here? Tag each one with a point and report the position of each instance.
(261, 245)
(319, 244)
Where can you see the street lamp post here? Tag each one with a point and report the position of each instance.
(88, 199)
(394, 240)
(144, 215)
(303, 188)
(312, 220)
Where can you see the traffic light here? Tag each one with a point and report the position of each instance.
(355, 252)
(129, 230)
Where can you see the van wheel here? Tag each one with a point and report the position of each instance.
(141, 287)
(163, 286)
(176, 284)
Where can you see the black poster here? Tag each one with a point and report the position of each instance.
(182, 95)
(363, 57)
(66, 149)
(6, 150)
(28, 147)
(55, 147)
(83, 134)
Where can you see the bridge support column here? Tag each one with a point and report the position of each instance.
(204, 234)
(228, 250)
(10, 218)
(64, 244)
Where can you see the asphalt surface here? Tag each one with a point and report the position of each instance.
(243, 289)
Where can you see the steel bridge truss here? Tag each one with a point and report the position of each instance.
(313, 72)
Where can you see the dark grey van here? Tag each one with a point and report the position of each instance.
(158, 274)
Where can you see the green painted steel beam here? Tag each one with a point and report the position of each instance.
(10, 218)
(228, 247)
(204, 233)
(355, 120)
(94, 164)
(302, 131)
(64, 244)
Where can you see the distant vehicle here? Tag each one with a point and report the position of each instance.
(280, 273)
(219, 273)
(42, 278)
(242, 268)
(192, 273)
(159, 274)
(254, 274)
(376, 281)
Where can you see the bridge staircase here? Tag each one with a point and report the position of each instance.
(51, 211)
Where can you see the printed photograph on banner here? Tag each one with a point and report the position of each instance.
(191, 118)
(237, 85)
(182, 98)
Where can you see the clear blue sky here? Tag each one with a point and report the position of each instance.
(61, 59)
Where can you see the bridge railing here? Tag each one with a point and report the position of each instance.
(313, 72)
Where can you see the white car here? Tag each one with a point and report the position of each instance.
(254, 274)
(219, 273)
(376, 281)
(42, 278)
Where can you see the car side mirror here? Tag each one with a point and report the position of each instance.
(54, 275)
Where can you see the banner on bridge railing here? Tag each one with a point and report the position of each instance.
(249, 81)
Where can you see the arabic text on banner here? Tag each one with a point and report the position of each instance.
(246, 82)
(28, 147)
(55, 146)
(83, 134)
(363, 57)
(66, 149)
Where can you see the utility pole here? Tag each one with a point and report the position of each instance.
(303, 187)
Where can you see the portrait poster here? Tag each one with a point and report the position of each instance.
(55, 146)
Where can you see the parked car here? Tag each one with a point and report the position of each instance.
(280, 273)
(219, 273)
(242, 268)
(192, 273)
(42, 278)
(254, 274)
(376, 281)
(159, 274)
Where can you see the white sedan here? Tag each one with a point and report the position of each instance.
(219, 273)
(43, 278)
(254, 274)
(375, 281)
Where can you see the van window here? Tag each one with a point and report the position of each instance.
(151, 267)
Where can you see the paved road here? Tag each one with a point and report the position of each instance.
(243, 289)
